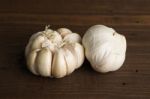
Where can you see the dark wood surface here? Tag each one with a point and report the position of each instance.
(19, 19)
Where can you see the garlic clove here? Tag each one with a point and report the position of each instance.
(59, 68)
(35, 35)
(70, 61)
(31, 61)
(72, 38)
(43, 62)
(37, 43)
(27, 49)
(79, 52)
(64, 31)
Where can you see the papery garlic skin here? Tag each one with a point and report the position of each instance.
(52, 53)
(105, 49)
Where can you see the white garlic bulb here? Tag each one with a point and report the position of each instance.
(105, 49)
(54, 53)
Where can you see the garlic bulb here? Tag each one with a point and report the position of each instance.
(105, 49)
(54, 53)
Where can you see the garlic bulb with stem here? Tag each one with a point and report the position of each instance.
(52, 53)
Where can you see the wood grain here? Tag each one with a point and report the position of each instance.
(19, 19)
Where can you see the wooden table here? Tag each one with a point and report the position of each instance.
(19, 19)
